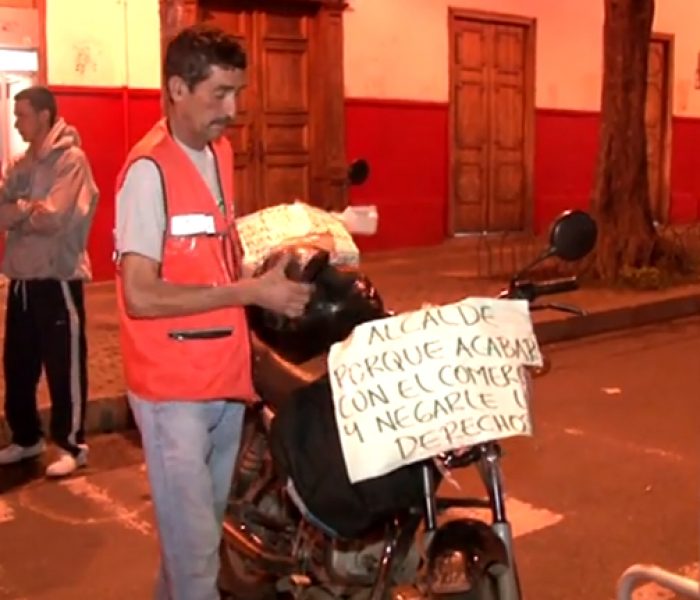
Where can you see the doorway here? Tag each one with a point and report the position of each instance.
(11, 143)
(658, 124)
(288, 138)
(492, 85)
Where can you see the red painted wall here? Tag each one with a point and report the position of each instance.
(407, 147)
(685, 170)
(110, 121)
(406, 144)
(566, 145)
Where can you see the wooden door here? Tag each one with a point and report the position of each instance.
(288, 142)
(491, 116)
(242, 133)
(284, 110)
(658, 127)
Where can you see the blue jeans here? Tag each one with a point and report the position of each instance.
(190, 450)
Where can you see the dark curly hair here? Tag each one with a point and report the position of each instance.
(192, 52)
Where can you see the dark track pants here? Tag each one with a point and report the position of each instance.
(45, 327)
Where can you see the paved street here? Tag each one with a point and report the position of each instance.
(610, 479)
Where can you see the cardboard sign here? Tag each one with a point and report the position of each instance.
(412, 386)
(265, 230)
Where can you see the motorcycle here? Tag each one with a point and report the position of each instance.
(273, 544)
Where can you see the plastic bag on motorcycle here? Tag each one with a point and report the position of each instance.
(304, 437)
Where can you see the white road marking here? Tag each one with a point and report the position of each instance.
(6, 590)
(653, 591)
(650, 450)
(524, 518)
(80, 486)
(611, 391)
(7, 514)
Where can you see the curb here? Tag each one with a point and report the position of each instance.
(617, 319)
(103, 415)
(110, 414)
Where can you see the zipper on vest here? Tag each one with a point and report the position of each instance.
(182, 335)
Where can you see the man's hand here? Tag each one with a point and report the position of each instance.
(247, 271)
(37, 207)
(146, 295)
(277, 293)
(26, 207)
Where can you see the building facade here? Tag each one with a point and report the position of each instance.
(475, 115)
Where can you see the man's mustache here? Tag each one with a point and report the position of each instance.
(225, 122)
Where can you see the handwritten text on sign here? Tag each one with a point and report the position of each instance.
(412, 386)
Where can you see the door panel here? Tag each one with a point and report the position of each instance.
(285, 111)
(271, 137)
(507, 199)
(489, 110)
(242, 135)
(471, 122)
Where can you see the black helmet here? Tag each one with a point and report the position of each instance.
(342, 298)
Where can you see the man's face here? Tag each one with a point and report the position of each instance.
(211, 105)
(28, 122)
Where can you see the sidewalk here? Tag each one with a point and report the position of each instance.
(407, 279)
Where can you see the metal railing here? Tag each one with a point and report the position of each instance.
(501, 254)
(637, 574)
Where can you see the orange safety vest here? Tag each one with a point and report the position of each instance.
(197, 357)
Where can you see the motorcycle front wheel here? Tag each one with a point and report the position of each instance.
(485, 589)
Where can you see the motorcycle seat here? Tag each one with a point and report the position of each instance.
(277, 379)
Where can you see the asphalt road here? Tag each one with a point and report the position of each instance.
(609, 479)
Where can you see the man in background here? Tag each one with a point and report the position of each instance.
(47, 203)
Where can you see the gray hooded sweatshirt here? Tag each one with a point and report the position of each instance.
(51, 242)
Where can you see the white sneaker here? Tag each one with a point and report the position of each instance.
(67, 463)
(14, 453)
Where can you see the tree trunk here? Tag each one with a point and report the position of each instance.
(621, 196)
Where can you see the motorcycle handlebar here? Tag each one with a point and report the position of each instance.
(555, 286)
(530, 291)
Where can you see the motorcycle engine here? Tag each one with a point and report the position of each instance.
(355, 561)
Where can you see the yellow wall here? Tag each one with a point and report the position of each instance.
(110, 43)
(399, 48)
(396, 49)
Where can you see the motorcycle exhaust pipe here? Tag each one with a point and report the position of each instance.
(252, 547)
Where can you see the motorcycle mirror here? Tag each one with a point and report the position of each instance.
(358, 172)
(572, 235)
